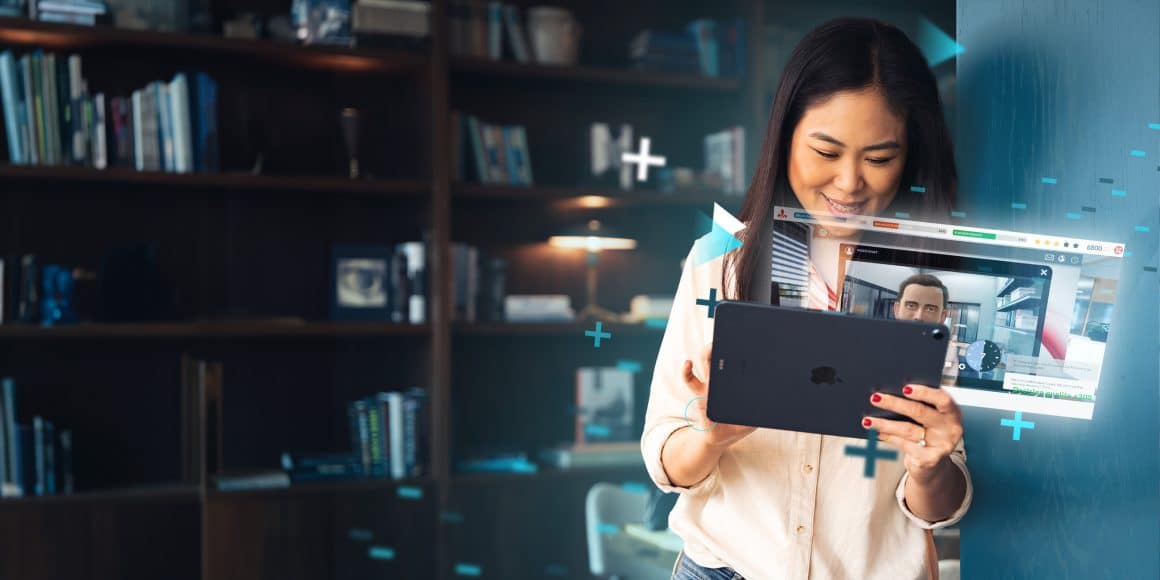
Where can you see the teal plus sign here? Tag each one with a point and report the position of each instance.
(597, 334)
(1018, 423)
(711, 302)
(871, 452)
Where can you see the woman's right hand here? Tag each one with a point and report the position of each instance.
(720, 435)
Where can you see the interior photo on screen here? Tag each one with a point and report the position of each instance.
(1029, 314)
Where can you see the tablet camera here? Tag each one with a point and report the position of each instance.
(937, 334)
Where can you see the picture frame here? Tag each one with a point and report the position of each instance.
(360, 284)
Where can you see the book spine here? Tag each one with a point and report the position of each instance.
(49, 458)
(4, 473)
(479, 152)
(25, 459)
(37, 68)
(9, 387)
(207, 141)
(66, 464)
(29, 110)
(494, 30)
(8, 87)
(165, 114)
(395, 424)
(76, 96)
(375, 418)
(138, 148)
(364, 435)
(63, 103)
(182, 138)
(100, 130)
(383, 408)
(38, 451)
(411, 436)
(51, 116)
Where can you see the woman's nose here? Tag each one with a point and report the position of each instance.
(849, 178)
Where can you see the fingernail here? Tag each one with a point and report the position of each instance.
(907, 390)
(876, 398)
(865, 422)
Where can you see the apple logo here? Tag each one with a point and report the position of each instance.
(827, 375)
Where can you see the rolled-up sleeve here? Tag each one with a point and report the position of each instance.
(959, 458)
(686, 334)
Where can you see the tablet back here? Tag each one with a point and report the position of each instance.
(814, 371)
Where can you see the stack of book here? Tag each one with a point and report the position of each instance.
(605, 435)
(388, 434)
(706, 47)
(51, 118)
(82, 12)
(480, 285)
(489, 153)
(391, 18)
(35, 459)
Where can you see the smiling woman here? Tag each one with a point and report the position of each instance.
(856, 124)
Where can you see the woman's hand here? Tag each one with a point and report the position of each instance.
(941, 426)
(719, 435)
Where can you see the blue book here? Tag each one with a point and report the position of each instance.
(165, 126)
(705, 32)
(38, 453)
(204, 122)
(9, 394)
(10, 91)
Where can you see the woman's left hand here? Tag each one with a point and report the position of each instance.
(940, 425)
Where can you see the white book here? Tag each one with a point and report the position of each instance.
(100, 149)
(165, 128)
(76, 92)
(515, 32)
(395, 426)
(182, 133)
(138, 131)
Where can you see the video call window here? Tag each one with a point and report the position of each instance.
(1028, 326)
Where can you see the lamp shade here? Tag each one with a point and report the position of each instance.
(593, 237)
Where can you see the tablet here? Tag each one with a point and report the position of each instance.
(814, 371)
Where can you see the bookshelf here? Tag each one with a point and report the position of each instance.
(249, 264)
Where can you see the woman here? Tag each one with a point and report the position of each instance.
(855, 123)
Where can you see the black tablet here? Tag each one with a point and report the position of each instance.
(814, 371)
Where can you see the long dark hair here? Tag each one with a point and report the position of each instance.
(849, 54)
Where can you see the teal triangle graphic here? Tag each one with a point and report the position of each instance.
(935, 44)
(703, 224)
(716, 243)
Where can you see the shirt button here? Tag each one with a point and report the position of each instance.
(801, 530)
(807, 468)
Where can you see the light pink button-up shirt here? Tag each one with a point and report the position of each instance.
(781, 504)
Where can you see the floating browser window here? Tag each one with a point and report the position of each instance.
(1029, 314)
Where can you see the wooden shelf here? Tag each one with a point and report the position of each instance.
(211, 330)
(347, 486)
(167, 493)
(51, 36)
(78, 176)
(581, 197)
(561, 329)
(477, 67)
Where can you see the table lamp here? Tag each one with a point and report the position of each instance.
(594, 238)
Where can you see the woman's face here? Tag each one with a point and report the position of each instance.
(847, 154)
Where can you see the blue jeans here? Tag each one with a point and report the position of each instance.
(687, 569)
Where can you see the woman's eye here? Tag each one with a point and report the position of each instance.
(881, 161)
(827, 155)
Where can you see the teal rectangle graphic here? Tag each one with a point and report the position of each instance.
(1155, 126)
(1050, 180)
(1017, 205)
(959, 214)
(1072, 216)
(410, 492)
(381, 553)
(1137, 153)
(631, 366)
(1120, 192)
(902, 215)
(1144, 229)
(918, 189)
(468, 570)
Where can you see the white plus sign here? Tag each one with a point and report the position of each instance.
(642, 159)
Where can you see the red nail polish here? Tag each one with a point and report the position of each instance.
(865, 422)
(876, 397)
(907, 390)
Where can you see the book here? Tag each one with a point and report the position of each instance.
(29, 134)
(205, 124)
(100, 146)
(377, 437)
(9, 89)
(49, 442)
(180, 121)
(326, 466)
(38, 487)
(495, 152)
(416, 255)
(263, 480)
(494, 30)
(474, 132)
(8, 386)
(161, 92)
(519, 168)
(604, 403)
(538, 308)
(415, 424)
(515, 33)
(66, 464)
(593, 455)
(704, 31)
(394, 405)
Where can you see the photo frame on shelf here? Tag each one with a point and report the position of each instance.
(360, 282)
